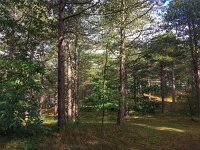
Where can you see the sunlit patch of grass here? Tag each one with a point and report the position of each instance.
(139, 117)
(170, 123)
(169, 129)
(158, 98)
(139, 132)
(153, 132)
(49, 111)
(49, 119)
(159, 128)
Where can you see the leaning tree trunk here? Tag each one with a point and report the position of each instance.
(162, 93)
(69, 84)
(61, 66)
(120, 117)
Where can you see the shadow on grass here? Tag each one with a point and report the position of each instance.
(138, 132)
(129, 136)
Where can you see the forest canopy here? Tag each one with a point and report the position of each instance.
(71, 58)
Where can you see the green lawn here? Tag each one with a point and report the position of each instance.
(156, 132)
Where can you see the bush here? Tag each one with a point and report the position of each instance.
(189, 104)
(18, 94)
(145, 106)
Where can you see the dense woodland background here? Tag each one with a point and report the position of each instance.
(66, 65)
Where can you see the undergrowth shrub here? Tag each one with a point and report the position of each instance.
(145, 106)
(189, 104)
(18, 95)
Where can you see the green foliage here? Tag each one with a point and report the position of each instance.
(24, 29)
(145, 106)
(162, 48)
(189, 104)
(182, 13)
(18, 101)
(95, 99)
(152, 88)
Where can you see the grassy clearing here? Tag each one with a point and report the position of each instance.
(157, 132)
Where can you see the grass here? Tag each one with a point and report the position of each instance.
(156, 132)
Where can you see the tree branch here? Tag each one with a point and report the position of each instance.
(82, 11)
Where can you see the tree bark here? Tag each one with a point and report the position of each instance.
(61, 72)
(69, 84)
(76, 80)
(104, 86)
(56, 103)
(162, 93)
(195, 62)
(126, 112)
(197, 81)
(135, 88)
(120, 117)
(12, 46)
(149, 85)
(43, 95)
(173, 89)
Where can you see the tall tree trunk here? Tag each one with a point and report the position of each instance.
(135, 88)
(149, 85)
(104, 86)
(61, 66)
(195, 63)
(162, 93)
(173, 89)
(120, 117)
(76, 80)
(55, 103)
(69, 84)
(12, 46)
(126, 102)
(43, 94)
(196, 79)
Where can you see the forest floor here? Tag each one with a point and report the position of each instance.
(156, 132)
